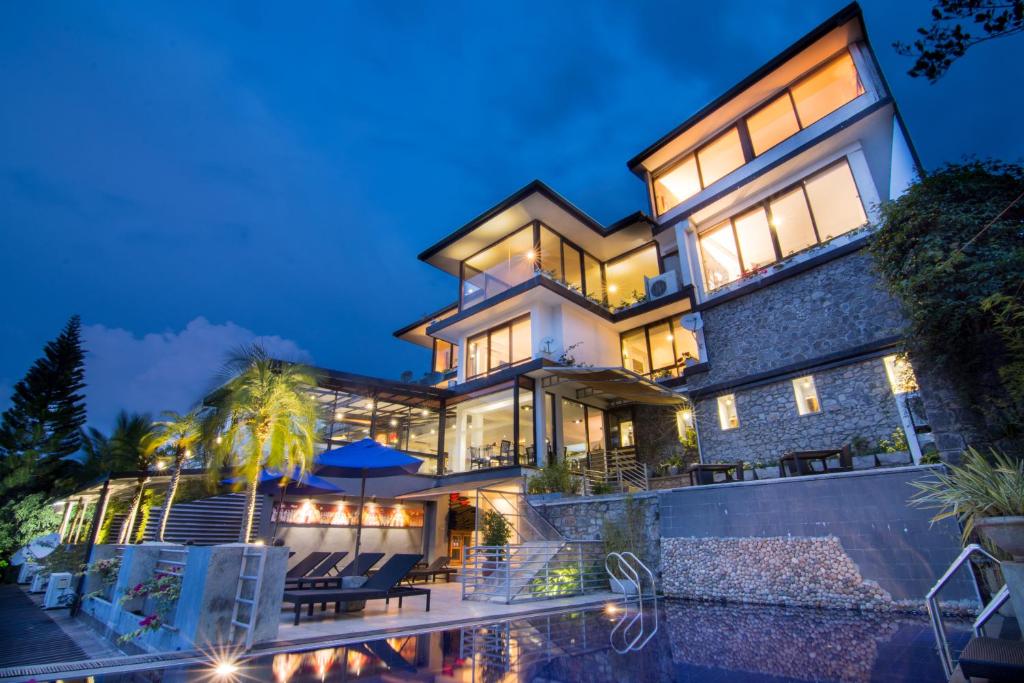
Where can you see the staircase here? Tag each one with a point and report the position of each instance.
(208, 521)
(540, 563)
(614, 471)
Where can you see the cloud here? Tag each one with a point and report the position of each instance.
(162, 370)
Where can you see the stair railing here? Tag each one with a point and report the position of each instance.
(935, 614)
(628, 570)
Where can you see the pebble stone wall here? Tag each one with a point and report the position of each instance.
(799, 572)
(856, 400)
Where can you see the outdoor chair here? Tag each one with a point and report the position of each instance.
(384, 585)
(439, 567)
(323, 569)
(306, 564)
(357, 567)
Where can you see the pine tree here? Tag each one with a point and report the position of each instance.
(48, 407)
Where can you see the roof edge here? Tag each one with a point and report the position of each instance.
(424, 320)
(844, 15)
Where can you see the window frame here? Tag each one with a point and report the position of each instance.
(765, 206)
(454, 365)
(735, 409)
(676, 367)
(796, 396)
(740, 123)
(488, 333)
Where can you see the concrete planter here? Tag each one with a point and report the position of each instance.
(1005, 532)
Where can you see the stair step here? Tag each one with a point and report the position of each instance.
(992, 658)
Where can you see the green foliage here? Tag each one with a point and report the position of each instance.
(22, 519)
(496, 529)
(263, 416)
(164, 589)
(554, 477)
(946, 39)
(64, 558)
(950, 250)
(861, 445)
(979, 487)
(557, 582)
(896, 443)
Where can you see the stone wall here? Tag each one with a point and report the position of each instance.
(867, 513)
(582, 519)
(800, 572)
(856, 400)
(831, 308)
(657, 434)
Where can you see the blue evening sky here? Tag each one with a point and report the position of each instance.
(188, 175)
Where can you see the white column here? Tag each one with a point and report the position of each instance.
(459, 447)
(540, 408)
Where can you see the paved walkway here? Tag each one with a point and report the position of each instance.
(28, 635)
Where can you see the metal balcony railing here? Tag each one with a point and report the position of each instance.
(536, 570)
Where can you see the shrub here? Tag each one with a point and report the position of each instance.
(496, 529)
(554, 478)
(978, 487)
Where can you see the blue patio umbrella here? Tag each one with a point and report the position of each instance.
(293, 480)
(365, 459)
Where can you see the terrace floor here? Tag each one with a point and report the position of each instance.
(446, 608)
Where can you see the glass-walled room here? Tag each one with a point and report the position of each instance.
(493, 429)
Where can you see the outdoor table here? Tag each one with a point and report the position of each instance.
(799, 463)
(705, 473)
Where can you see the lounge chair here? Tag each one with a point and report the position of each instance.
(438, 567)
(306, 564)
(381, 586)
(323, 569)
(357, 567)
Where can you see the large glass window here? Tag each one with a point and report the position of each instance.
(772, 124)
(551, 253)
(679, 183)
(721, 259)
(498, 267)
(499, 347)
(819, 208)
(835, 201)
(574, 428)
(755, 239)
(527, 454)
(625, 275)
(573, 262)
(721, 156)
(446, 356)
(659, 349)
(592, 271)
(634, 352)
(827, 89)
(791, 218)
(808, 100)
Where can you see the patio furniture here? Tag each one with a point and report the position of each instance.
(381, 586)
(439, 567)
(323, 569)
(798, 463)
(478, 459)
(704, 473)
(306, 564)
(357, 567)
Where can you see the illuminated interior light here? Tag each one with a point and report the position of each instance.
(613, 288)
(225, 669)
(531, 255)
(394, 423)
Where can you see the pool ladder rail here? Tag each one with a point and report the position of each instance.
(982, 657)
(632, 632)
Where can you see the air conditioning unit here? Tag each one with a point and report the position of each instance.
(39, 580)
(59, 591)
(662, 285)
(27, 572)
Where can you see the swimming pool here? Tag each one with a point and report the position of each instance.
(684, 641)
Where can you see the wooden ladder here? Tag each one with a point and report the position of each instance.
(256, 580)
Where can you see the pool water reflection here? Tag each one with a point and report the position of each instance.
(693, 641)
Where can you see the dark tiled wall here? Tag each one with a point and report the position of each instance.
(891, 542)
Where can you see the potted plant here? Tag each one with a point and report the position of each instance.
(985, 494)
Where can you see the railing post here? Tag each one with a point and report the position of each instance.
(580, 566)
(508, 576)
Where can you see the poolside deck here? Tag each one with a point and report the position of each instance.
(446, 608)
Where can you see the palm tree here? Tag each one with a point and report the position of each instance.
(178, 434)
(264, 416)
(132, 448)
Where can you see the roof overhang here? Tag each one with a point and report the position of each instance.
(417, 332)
(499, 483)
(538, 202)
(835, 33)
(617, 385)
